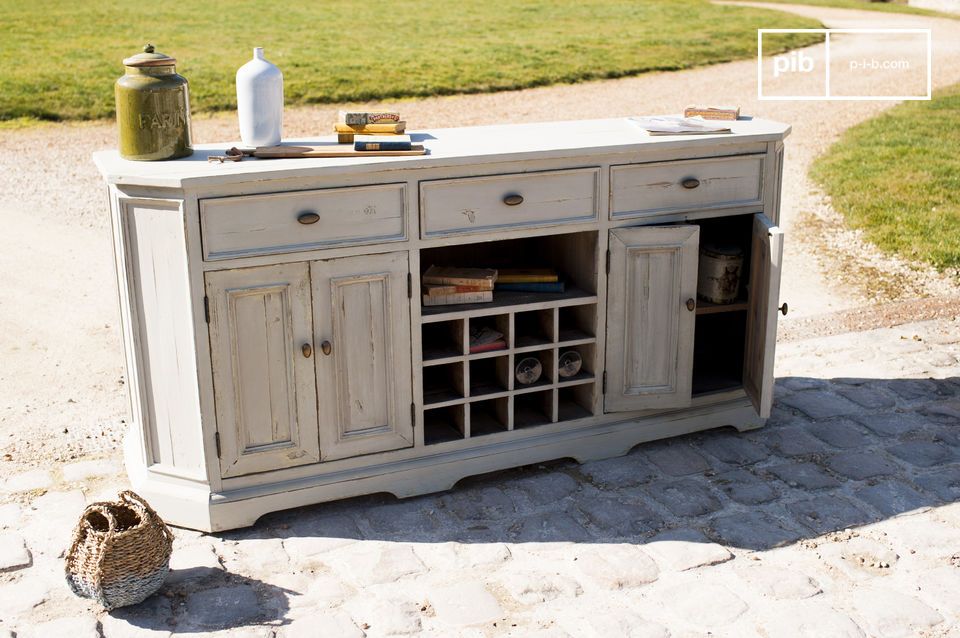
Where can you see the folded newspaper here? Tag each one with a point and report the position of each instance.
(675, 125)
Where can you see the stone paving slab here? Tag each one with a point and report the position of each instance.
(841, 517)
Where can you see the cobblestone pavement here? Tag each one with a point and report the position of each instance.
(840, 518)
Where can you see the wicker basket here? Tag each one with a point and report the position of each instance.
(120, 552)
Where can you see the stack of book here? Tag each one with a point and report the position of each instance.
(529, 280)
(443, 285)
(372, 131)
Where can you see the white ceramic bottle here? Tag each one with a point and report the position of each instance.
(260, 101)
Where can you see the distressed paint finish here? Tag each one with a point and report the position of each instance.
(164, 340)
(263, 384)
(356, 422)
(657, 187)
(363, 384)
(766, 260)
(653, 272)
(268, 224)
(455, 206)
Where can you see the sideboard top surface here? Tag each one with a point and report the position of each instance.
(446, 147)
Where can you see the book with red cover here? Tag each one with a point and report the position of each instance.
(500, 344)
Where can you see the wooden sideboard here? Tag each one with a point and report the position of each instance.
(278, 353)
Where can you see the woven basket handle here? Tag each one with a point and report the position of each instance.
(104, 510)
(84, 527)
(132, 498)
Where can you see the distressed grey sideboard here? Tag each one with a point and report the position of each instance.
(278, 353)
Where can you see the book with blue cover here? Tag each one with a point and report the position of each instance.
(382, 143)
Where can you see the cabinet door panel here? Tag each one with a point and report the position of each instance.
(364, 383)
(766, 258)
(264, 388)
(653, 272)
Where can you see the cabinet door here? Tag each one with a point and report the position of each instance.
(765, 258)
(653, 274)
(264, 386)
(362, 325)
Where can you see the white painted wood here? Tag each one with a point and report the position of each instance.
(650, 331)
(457, 206)
(420, 475)
(468, 146)
(201, 498)
(638, 190)
(766, 257)
(363, 385)
(157, 283)
(268, 224)
(264, 385)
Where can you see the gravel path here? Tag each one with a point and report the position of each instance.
(62, 364)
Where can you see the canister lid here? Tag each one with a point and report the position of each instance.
(722, 251)
(149, 58)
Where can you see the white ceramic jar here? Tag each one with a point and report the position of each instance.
(260, 101)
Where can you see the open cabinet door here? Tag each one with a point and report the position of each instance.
(651, 299)
(765, 260)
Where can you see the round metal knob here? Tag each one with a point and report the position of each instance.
(691, 305)
(307, 350)
(690, 182)
(308, 218)
(784, 308)
(513, 199)
(326, 347)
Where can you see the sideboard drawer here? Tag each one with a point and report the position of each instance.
(302, 220)
(472, 204)
(658, 187)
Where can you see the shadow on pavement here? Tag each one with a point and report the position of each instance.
(836, 453)
(203, 599)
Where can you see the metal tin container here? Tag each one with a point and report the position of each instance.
(153, 108)
(718, 277)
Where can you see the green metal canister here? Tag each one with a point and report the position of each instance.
(153, 108)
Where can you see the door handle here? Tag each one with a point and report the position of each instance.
(691, 304)
(307, 350)
(308, 218)
(326, 347)
(690, 182)
(513, 199)
(784, 308)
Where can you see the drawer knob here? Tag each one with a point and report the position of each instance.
(783, 309)
(308, 218)
(690, 182)
(307, 350)
(691, 304)
(326, 347)
(513, 199)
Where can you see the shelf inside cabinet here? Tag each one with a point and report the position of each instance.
(718, 351)
(481, 389)
(574, 403)
(489, 376)
(532, 409)
(507, 300)
(490, 416)
(442, 340)
(441, 425)
(708, 308)
(443, 384)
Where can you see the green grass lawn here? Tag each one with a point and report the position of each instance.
(60, 59)
(897, 177)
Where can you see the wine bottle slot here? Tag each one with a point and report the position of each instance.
(569, 363)
(528, 370)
